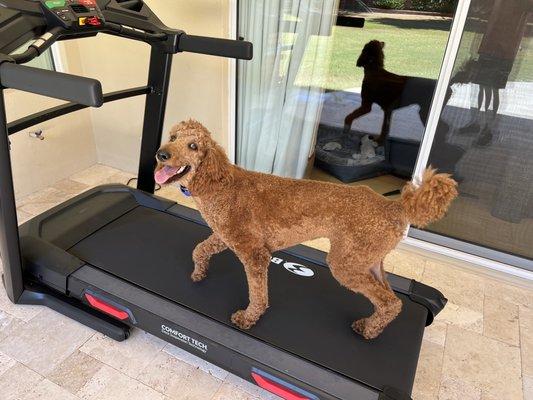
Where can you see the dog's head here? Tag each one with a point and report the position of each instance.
(191, 158)
(372, 55)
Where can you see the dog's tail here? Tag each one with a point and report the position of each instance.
(428, 201)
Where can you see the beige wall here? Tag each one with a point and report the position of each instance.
(198, 89)
(111, 134)
(68, 146)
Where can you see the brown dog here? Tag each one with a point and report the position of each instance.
(239, 206)
(387, 89)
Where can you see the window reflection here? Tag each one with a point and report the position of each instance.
(308, 109)
(484, 136)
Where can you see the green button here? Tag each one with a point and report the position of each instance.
(55, 3)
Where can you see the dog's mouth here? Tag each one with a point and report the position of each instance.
(168, 173)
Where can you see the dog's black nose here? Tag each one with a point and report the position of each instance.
(163, 155)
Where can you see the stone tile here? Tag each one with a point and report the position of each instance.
(528, 387)
(320, 244)
(121, 177)
(22, 312)
(23, 216)
(17, 381)
(6, 363)
(462, 317)
(526, 339)
(196, 362)
(428, 373)
(178, 380)
(509, 293)
(73, 373)
(8, 324)
(436, 332)
(500, 320)
(465, 293)
(41, 201)
(232, 392)
(45, 341)
(459, 287)
(70, 188)
(456, 389)
(130, 356)
(94, 175)
(46, 390)
(407, 264)
(108, 383)
(484, 363)
(245, 386)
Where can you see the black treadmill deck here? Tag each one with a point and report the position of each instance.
(308, 316)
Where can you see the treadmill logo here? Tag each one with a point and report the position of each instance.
(173, 333)
(297, 269)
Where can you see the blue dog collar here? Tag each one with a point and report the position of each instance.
(185, 191)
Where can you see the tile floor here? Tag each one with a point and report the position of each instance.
(480, 347)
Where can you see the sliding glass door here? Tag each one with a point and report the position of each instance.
(301, 108)
(484, 136)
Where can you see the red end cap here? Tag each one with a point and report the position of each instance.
(106, 308)
(94, 21)
(276, 388)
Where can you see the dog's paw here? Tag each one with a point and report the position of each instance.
(240, 319)
(198, 276)
(366, 330)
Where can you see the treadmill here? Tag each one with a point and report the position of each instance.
(116, 258)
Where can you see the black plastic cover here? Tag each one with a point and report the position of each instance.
(48, 264)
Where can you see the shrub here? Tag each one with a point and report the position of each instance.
(390, 4)
(446, 6)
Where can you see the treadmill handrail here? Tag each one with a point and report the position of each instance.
(239, 49)
(58, 85)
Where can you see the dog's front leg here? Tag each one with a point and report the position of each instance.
(203, 252)
(256, 267)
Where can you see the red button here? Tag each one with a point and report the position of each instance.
(94, 21)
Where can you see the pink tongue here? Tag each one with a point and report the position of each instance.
(164, 174)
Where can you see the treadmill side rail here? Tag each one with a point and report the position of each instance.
(217, 343)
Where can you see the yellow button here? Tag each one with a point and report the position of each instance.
(82, 21)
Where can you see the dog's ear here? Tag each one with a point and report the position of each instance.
(363, 59)
(382, 45)
(214, 168)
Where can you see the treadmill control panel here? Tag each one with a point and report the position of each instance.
(74, 14)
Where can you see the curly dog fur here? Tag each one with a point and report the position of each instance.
(238, 205)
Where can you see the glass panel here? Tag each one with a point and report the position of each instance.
(485, 133)
(313, 104)
(44, 61)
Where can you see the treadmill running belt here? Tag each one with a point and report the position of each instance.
(308, 316)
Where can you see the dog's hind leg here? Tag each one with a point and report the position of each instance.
(203, 252)
(355, 274)
(385, 127)
(256, 263)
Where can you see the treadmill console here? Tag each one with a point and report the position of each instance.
(73, 14)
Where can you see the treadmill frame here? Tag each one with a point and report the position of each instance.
(227, 346)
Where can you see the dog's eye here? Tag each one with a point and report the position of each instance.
(193, 146)
(173, 138)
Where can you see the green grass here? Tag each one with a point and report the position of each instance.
(413, 48)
